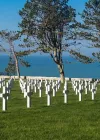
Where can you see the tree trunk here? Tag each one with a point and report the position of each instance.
(61, 71)
(17, 68)
(59, 63)
(15, 58)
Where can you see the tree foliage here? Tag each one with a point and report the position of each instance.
(90, 28)
(15, 57)
(11, 69)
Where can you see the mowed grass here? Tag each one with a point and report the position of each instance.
(73, 121)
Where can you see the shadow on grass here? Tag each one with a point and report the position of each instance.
(5, 112)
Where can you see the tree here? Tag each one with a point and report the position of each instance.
(44, 21)
(90, 28)
(15, 57)
(50, 25)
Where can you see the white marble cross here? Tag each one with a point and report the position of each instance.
(48, 96)
(86, 87)
(80, 92)
(40, 88)
(28, 94)
(93, 90)
(65, 96)
(54, 89)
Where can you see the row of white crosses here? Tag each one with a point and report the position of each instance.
(6, 89)
(36, 84)
(78, 87)
(33, 84)
(26, 89)
(51, 86)
(88, 85)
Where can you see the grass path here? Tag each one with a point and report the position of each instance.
(73, 121)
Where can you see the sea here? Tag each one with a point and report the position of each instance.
(44, 66)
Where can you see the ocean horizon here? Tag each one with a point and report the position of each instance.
(44, 66)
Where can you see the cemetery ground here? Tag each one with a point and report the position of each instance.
(74, 120)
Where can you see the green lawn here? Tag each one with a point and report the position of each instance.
(73, 121)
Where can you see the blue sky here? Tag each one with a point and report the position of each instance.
(9, 9)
